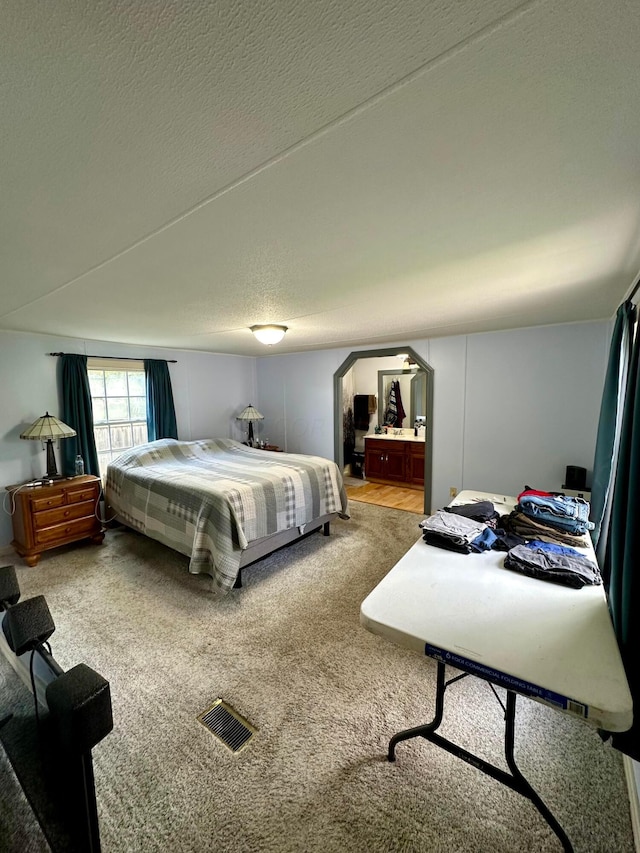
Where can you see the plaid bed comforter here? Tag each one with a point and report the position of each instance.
(208, 499)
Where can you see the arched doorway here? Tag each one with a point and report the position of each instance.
(338, 376)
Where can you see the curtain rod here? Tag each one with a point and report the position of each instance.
(635, 290)
(120, 357)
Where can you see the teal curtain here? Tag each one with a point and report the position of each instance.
(77, 412)
(622, 559)
(161, 414)
(610, 427)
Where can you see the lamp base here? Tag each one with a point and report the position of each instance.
(52, 468)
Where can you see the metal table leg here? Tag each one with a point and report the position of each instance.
(514, 780)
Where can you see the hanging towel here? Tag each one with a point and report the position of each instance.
(361, 411)
(391, 412)
(401, 412)
(395, 413)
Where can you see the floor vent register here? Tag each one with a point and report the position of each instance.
(227, 725)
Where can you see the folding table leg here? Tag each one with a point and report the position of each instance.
(514, 780)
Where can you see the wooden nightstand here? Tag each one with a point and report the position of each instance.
(49, 516)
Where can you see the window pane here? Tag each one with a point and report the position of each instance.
(118, 398)
(138, 406)
(140, 434)
(103, 461)
(99, 409)
(116, 382)
(102, 438)
(136, 383)
(118, 408)
(96, 382)
(120, 436)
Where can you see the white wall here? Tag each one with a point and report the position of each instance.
(295, 394)
(532, 404)
(510, 408)
(209, 391)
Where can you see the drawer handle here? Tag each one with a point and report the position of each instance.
(66, 512)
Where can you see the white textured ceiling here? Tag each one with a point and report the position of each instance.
(174, 172)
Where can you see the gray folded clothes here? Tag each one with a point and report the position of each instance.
(536, 561)
(459, 529)
(525, 526)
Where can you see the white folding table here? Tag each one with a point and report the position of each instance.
(540, 639)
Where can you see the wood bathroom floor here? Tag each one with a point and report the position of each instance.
(395, 497)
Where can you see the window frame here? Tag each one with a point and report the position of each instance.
(135, 424)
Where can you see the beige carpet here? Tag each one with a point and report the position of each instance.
(289, 653)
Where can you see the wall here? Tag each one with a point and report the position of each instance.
(209, 391)
(510, 408)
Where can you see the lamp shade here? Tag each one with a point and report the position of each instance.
(250, 414)
(270, 334)
(47, 427)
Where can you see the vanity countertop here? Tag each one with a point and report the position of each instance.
(404, 436)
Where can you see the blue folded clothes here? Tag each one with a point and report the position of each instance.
(484, 542)
(560, 511)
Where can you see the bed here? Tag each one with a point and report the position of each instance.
(221, 503)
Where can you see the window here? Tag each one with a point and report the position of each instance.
(119, 407)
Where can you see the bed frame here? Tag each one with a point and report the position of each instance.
(260, 548)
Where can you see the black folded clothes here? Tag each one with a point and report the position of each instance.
(554, 563)
(483, 511)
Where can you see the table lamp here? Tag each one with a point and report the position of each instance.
(250, 414)
(47, 429)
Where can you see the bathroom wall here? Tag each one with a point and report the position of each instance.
(366, 382)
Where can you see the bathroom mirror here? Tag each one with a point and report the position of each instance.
(413, 391)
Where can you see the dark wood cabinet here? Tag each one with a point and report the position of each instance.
(394, 461)
(48, 516)
(415, 463)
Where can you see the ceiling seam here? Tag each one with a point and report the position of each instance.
(445, 56)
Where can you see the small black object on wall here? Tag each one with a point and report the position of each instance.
(575, 477)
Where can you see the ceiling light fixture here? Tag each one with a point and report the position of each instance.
(270, 334)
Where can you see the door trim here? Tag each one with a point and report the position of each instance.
(338, 430)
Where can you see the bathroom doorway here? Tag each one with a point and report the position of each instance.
(410, 368)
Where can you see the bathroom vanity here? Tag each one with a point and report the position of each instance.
(395, 459)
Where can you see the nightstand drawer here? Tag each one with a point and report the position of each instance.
(72, 530)
(62, 514)
(88, 493)
(47, 503)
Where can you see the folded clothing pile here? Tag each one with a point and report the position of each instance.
(540, 535)
(467, 528)
(562, 513)
(527, 527)
(550, 562)
(452, 532)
